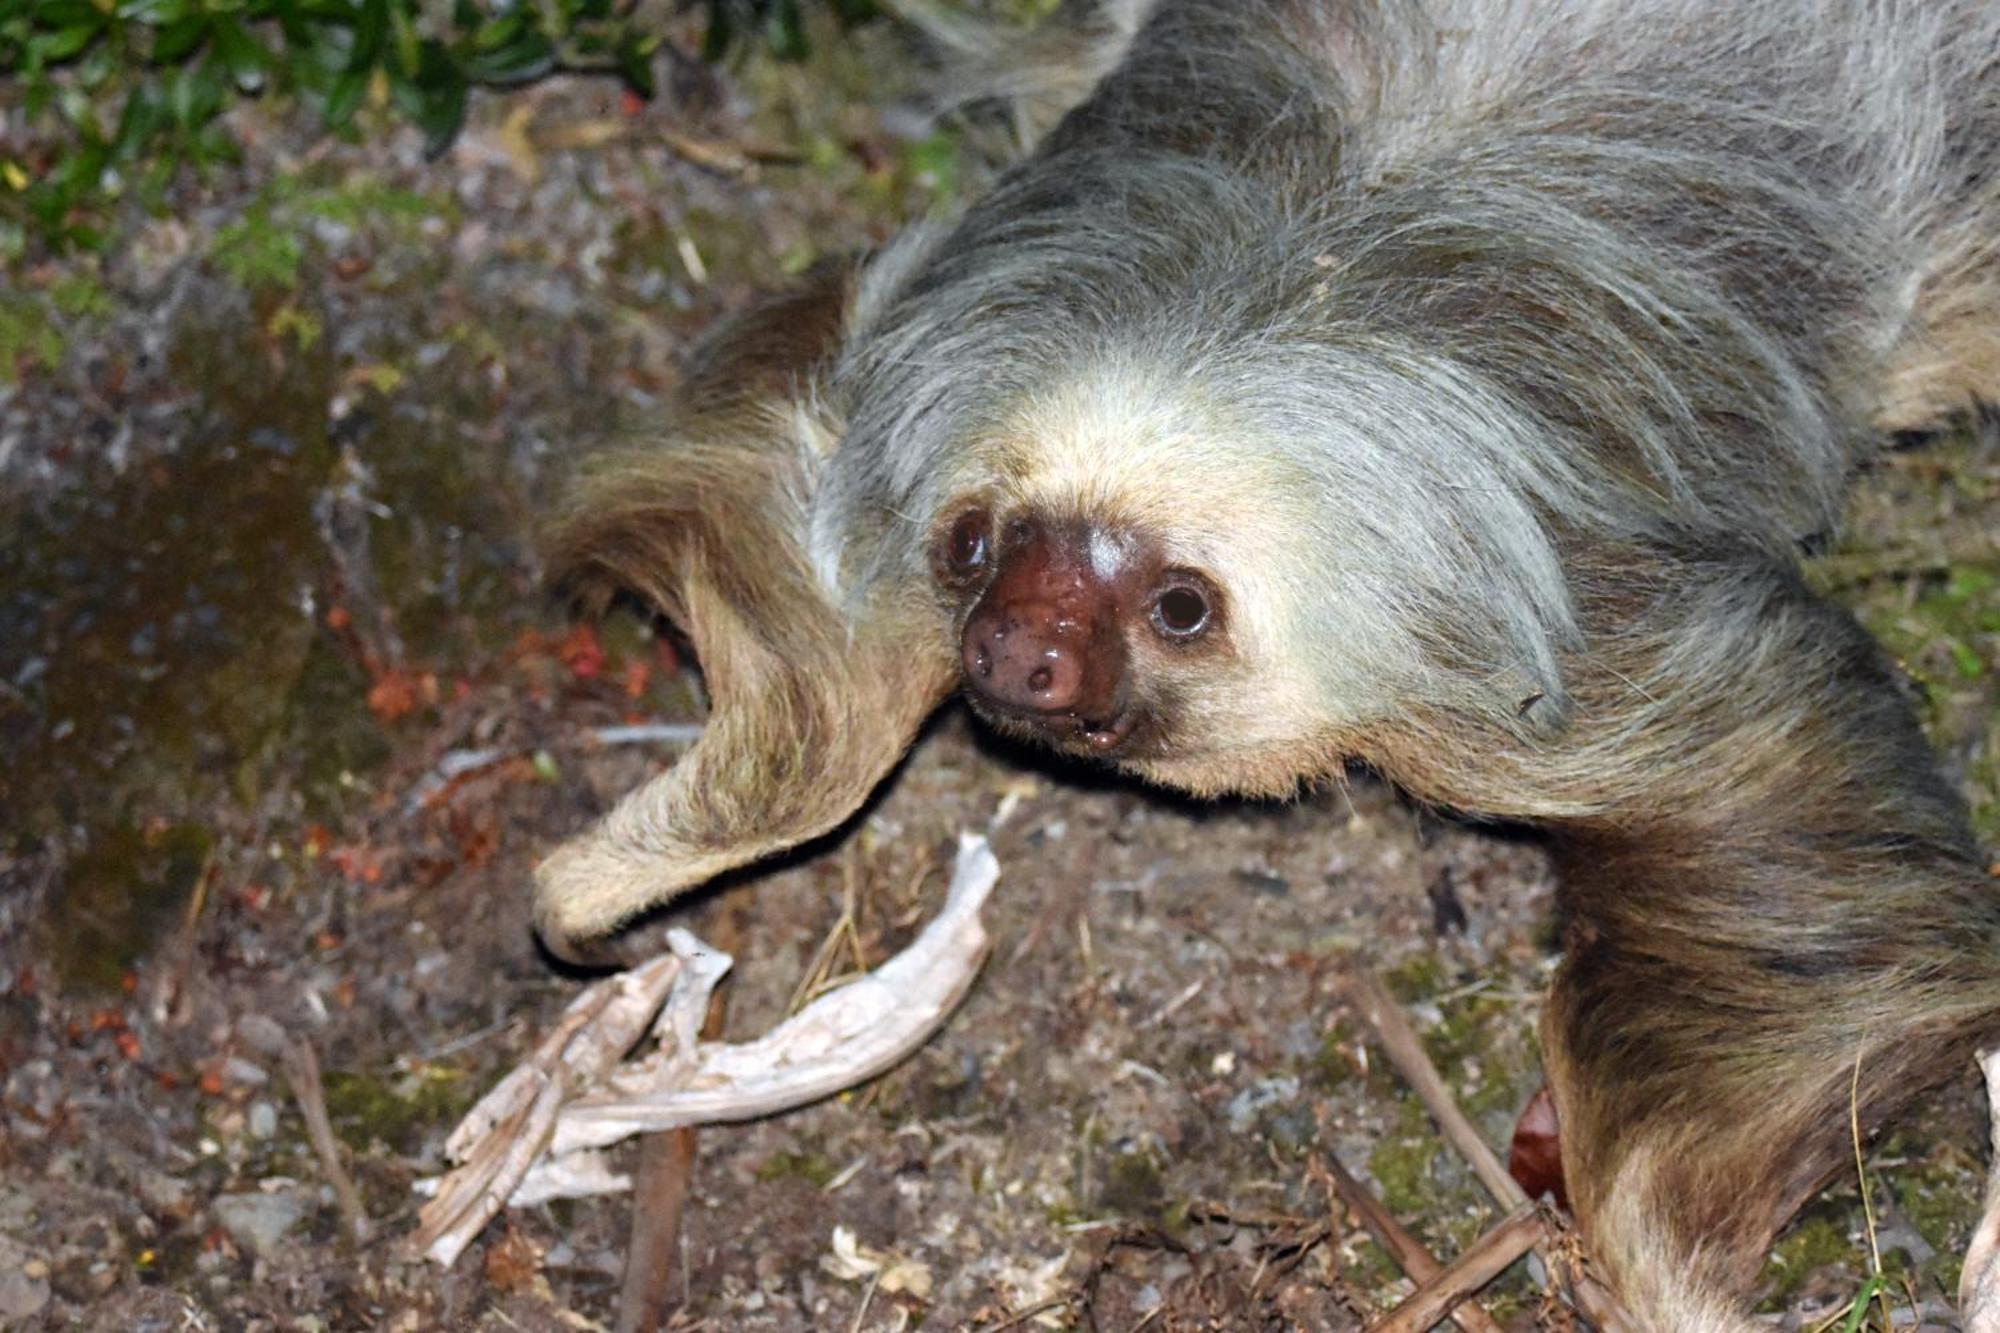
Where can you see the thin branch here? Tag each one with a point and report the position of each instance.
(1408, 1252)
(302, 1072)
(1405, 1050)
(1487, 1258)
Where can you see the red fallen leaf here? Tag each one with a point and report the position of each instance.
(395, 694)
(210, 1079)
(318, 838)
(582, 653)
(349, 267)
(358, 865)
(630, 103)
(128, 1043)
(107, 1020)
(128, 981)
(670, 656)
(1534, 1158)
(338, 618)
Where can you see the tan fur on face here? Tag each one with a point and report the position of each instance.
(1129, 453)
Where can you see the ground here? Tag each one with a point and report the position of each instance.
(288, 719)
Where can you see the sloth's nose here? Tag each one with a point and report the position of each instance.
(1026, 657)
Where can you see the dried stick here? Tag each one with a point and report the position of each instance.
(1408, 1252)
(302, 1072)
(1406, 1051)
(653, 1263)
(652, 1255)
(1488, 1257)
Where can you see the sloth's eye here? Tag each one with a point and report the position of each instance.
(1182, 612)
(966, 547)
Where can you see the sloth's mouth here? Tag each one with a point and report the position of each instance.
(1073, 732)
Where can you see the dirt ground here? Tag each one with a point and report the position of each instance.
(287, 719)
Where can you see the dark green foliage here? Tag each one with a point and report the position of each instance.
(125, 92)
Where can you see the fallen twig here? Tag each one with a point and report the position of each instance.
(302, 1072)
(1405, 1050)
(535, 1134)
(654, 1261)
(1392, 1027)
(842, 1038)
(1408, 1252)
(1485, 1260)
(502, 1138)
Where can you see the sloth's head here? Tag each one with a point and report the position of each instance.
(1118, 583)
(1228, 576)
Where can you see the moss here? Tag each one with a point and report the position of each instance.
(119, 897)
(1402, 1165)
(1133, 1186)
(1417, 977)
(1819, 1240)
(398, 1112)
(28, 337)
(816, 1169)
(1331, 1065)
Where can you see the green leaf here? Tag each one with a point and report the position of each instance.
(371, 31)
(242, 55)
(155, 13)
(1859, 1310)
(55, 47)
(511, 50)
(179, 39)
(137, 124)
(438, 90)
(66, 13)
(194, 94)
(345, 96)
(635, 64)
(785, 31)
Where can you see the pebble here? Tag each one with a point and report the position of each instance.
(24, 1282)
(258, 1222)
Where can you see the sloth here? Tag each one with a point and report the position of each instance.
(1444, 386)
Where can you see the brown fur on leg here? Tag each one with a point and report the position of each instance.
(1765, 882)
(810, 707)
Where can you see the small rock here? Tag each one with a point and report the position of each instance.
(163, 1193)
(258, 1222)
(263, 1120)
(1245, 1107)
(24, 1282)
(261, 1033)
(241, 1073)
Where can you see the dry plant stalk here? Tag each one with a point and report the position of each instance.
(538, 1133)
(1408, 1252)
(1520, 1231)
(1392, 1027)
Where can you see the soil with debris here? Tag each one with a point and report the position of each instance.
(288, 719)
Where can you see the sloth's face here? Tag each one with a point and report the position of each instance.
(1122, 577)
(1075, 632)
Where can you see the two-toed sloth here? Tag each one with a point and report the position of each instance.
(1447, 385)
